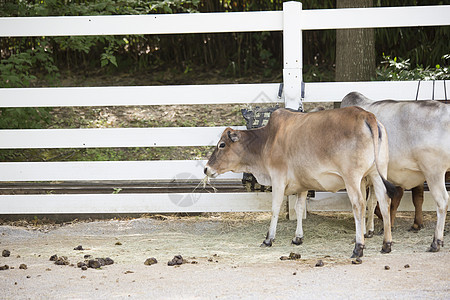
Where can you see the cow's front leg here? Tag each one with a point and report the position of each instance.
(299, 210)
(394, 204)
(277, 200)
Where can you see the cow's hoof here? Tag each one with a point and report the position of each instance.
(415, 227)
(297, 241)
(369, 234)
(386, 247)
(358, 251)
(436, 245)
(267, 243)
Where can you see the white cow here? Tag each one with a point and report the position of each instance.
(419, 148)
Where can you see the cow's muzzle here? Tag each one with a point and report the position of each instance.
(210, 172)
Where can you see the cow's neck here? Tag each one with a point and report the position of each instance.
(253, 158)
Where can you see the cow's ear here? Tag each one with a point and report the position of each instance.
(233, 136)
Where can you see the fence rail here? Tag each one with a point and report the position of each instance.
(111, 137)
(292, 20)
(225, 22)
(216, 94)
(136, 203)
(162, 170)
(140, 95)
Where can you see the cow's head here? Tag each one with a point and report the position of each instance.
(227, 155)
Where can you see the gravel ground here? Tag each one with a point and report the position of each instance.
(222, 259)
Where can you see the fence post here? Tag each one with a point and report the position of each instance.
(292, 54)
(292, 69)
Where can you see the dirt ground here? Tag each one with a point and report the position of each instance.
(224, 260)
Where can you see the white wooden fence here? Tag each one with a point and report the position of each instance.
(292, 20)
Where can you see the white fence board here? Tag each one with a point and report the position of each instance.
(142, 24)
(428, 202)
(375, 17)
(376, 90)
(135, 203)
(110, 137)
(223, 94)
(224, 22)
(106, 170)
(325, 201)
(140, 95)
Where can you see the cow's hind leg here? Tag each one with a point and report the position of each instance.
(371, 203)
(436, 183)
(358, 207)
(299, 210)
(417, 198)
(384, 203)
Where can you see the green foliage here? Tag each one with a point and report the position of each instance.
(30, 8)
(107, 58)
(237, 54)
(15, 71)
(314, 73)
(88, 52)
(267, 59)
(16, 118)
(75, 43)
(400, 69)
(18, 71)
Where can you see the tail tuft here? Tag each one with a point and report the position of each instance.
(390, 188)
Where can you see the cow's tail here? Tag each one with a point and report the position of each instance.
(377, 136)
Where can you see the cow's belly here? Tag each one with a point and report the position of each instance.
(327, 181)
(406, 172)
(406, 178)
(331, 182)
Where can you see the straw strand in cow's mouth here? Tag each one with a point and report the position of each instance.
(203, 182)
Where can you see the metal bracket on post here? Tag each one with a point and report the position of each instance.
(292, 55)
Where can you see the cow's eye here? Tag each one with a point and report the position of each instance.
(222, 145)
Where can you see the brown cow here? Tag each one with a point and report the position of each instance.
(325, 150)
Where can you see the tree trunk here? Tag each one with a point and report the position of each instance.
(355, 48)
